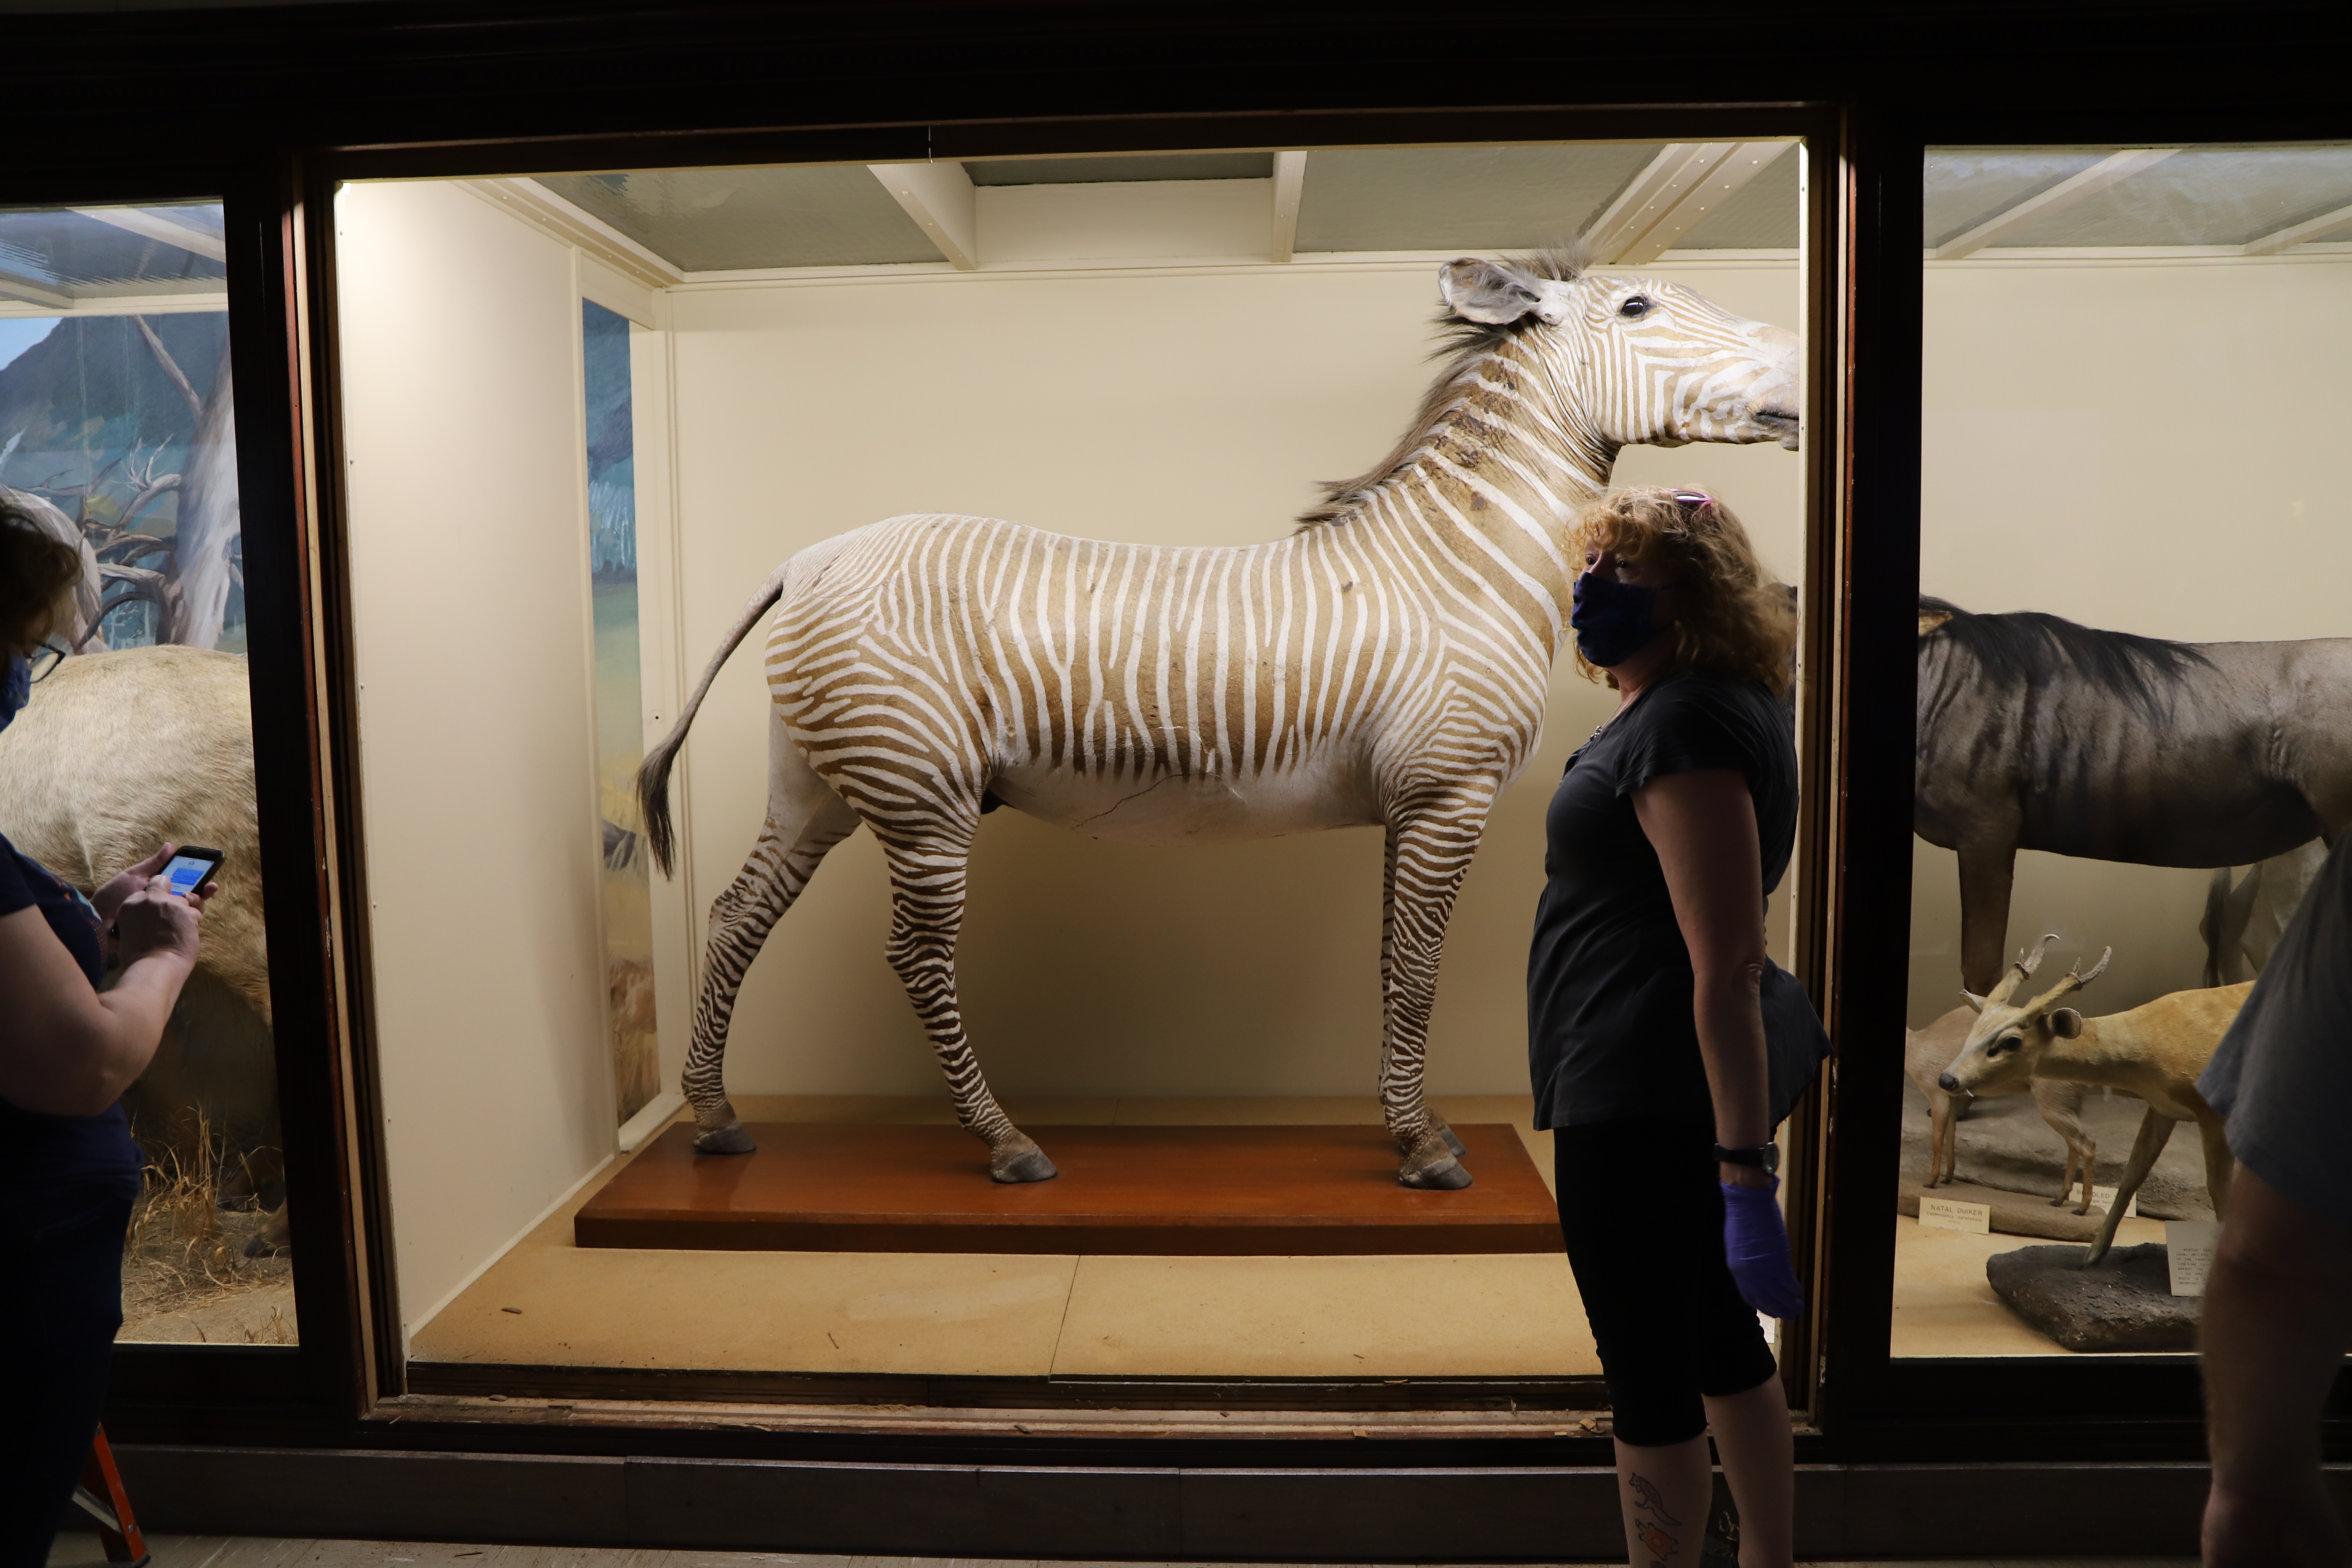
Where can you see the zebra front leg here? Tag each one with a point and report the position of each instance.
(1388, 945)
(1429, 853)
(806, 819)
(927, 898)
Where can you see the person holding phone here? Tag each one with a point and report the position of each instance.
(69, 1169)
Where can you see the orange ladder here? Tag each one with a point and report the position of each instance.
(101, 1496)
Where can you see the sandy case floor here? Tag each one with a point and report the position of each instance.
(547, 1302)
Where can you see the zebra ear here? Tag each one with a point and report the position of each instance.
(1495, 296)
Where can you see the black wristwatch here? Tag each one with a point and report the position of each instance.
(1767, 1155)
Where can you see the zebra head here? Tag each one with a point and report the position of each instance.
(1636, 360)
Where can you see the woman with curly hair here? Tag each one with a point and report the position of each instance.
(1649, 997)
(68, 1169)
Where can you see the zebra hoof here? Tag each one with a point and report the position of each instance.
(1451, 1142)
(1029, 1166)
(1445, 1176)
(731, 1139)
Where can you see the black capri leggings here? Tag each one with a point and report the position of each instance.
(1643, 1216)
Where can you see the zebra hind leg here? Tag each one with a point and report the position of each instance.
(1429, 853)
(928, 880)
(802, 824)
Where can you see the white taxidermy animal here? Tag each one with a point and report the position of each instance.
(1386, 664)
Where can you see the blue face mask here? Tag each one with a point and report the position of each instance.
(1612, 620)
(17, 690)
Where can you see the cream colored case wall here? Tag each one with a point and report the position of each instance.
(460, 340)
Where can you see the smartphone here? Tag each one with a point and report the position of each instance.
(190, 869)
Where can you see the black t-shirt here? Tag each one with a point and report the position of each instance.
(1610, 1031)
(43, 1151)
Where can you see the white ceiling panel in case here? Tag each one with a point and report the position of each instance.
(724, 220)
(2205, 196)
(1432, 198)
(2119, 198)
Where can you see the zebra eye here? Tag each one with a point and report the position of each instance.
(1634, 308)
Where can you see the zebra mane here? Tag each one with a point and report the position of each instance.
(2030, 648)
(1461, 345)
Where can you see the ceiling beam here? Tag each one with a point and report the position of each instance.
(1290, 183)
(2309, 229)
(12, 286)
(573, 224)
(2009, 220)
(938, 197)
(1656, 191)
(154, 226)
(1685, 184)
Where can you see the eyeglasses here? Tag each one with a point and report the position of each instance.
(1693, 499)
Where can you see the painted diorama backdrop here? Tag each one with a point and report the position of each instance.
(620, 701)
(117, 432)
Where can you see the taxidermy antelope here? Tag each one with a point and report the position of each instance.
(1926, 1052)
(1385, 664)
(2037, 733)
(2154, 1051)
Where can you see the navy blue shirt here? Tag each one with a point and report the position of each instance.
(45, 1151)
(1609, 1027)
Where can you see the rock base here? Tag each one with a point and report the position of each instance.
(2125, 1304)
(2014, 1213)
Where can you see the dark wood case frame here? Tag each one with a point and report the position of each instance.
(305, 98)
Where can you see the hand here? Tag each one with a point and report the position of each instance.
(109, 898)
(1756, 1247)
(155, 922)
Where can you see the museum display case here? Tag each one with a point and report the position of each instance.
(2128, 649)
(554, 337)
(118, 434)
(644, 391)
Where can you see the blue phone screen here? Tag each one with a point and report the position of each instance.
(182, 875)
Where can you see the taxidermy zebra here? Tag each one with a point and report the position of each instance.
(1385, 664)
(2038, 733)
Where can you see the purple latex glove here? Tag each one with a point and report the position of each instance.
(1756, 1246)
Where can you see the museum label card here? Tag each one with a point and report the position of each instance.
(2189, 1252)
(1951, 1213)
(2103, 1199)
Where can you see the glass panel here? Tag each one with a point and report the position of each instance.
(1143, 352)
(2132, 539)
(117, 431)
(620, 721)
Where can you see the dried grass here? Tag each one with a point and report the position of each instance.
(186, 1253)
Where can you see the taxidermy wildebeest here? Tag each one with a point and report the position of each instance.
(2037, 733)
(2244, 920)
(118, 753)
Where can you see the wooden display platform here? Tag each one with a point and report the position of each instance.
(1156, 1191)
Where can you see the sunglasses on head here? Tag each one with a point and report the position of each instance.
(1692, 497)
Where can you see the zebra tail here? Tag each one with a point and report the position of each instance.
(653, 776)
